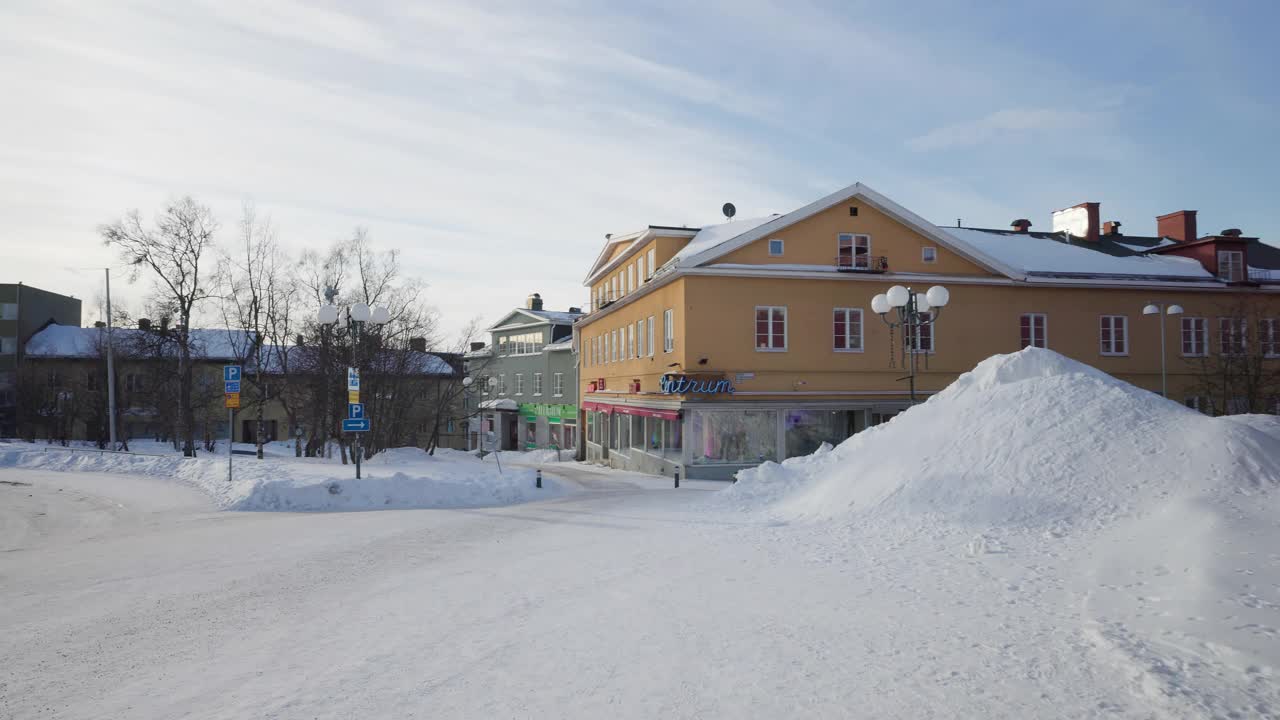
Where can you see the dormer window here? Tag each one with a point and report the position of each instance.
(1231, 265)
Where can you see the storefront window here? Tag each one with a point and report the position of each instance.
(637, 432)
(808, 429)
(624, 431)
(734, 436)
(531, 432)
(570, 436)
(555, 435)
(672, 439)
(613, 431)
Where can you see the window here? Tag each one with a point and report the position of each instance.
(776, 247)
(847, 330)
(631, 277)
(613, 289)
(637, 432)
(1113, 335)
(640, 269)
(8, 311)
(519, 383)
(650, 344)
(668, 330)
(1231, 265)
(1195, 337)
(1032, 327)
(1231, 336)
(929, 254)
(854, 251)
(733, 436)
(640, 338)
(8, 345)
(622, 431)
(631, 341)
(537, 383)
(920, 338)
(653, 261)
(771, 328)
(502, 383)
(1269, 336)
(557, 384)
(135, 383)
(613, 343)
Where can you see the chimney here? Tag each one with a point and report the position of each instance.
(144, 324)
(418, 344)
(1020, 225)
(477, 346)
(1180, 225)
(1079, 221)
(534, 302)
(575, 309)
(1111, 227)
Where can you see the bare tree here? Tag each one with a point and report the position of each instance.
(173, 249)
(1239, 370)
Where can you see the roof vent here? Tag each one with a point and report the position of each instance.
(1111, 227)
(1232, 232)
(1019, 225)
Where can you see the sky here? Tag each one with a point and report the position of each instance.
(495, 144)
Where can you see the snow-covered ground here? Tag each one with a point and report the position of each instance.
(398, 478)
(1037, 541)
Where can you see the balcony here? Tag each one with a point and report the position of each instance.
(1264, 275)
(862, 263)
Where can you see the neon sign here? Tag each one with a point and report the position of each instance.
(684, 385)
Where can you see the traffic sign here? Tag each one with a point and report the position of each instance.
(353, 378)
(231, 373)
(232, 400)
(355, 425)
(353, 397)
(231, 386)
(355, 411)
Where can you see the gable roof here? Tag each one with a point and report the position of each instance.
(524, 317)
(607, 259)
(722, 244)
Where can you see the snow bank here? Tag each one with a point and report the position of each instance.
(394, 479)
(1029, 439)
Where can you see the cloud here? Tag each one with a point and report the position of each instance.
(1002, 124)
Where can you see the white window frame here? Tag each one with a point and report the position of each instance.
(653, 261)
(613, 288)
(668, 330)
(782, 247)
(1269, 336)
(640, 276)
(1234, 268)
(640, 338)
(755, 331)
(1044, 341)
(537, 383)
(853, 249)
(613, 341)
(928, 254)
(631, 341)
(1184, 333)
(1124, 327)
(631, 277)
(519, 384)
(1224, 324)
(917, 347)
(651, 333)
(848, 314)
(557, 384)
(502, 383)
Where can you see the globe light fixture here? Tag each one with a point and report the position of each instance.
(938, 296)
(913, 312)
(360, 312)
(898, 296)
(381, 316)
(1174, 310)
(1151, 310)
(880, 304)
(328, 314)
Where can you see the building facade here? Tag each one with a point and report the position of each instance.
(24, 310)
(707, 350)
(525, 382)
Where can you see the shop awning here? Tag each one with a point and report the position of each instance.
(662, 414)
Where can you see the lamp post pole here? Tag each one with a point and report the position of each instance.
(355, 315)
(913, 312)
(1160, 310)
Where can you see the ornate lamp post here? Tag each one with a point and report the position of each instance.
(913, 311)
(1161, 309)
(352, 319)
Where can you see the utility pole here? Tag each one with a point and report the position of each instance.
(111, 369)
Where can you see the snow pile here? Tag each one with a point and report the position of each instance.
(532, 457)
(1030, 439)
(394, 479)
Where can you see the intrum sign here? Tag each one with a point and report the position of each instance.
(685, 385)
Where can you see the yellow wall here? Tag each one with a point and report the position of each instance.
(647, 369)
(664, 248)
(813, 241)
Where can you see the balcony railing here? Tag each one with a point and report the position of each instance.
(862, 263)
(1263, 275)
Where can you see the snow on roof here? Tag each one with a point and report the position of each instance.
(712, 235)
(499, 404)
(428, 364)
(556, 316)
(1034, 254)
(565, 344)
(68, 341)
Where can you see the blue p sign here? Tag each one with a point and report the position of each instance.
(355, 411)
(230, 373)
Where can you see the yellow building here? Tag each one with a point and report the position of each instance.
(711, 349)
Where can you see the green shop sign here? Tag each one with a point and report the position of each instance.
(553, 413)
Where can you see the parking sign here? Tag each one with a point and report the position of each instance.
(231, 373)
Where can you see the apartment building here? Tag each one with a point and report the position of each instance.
(24, 310)
(711, 349)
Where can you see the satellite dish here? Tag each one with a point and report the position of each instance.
(729, 210)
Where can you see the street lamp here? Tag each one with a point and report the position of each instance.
(913, 311)
(1162, 309)
(352, 318)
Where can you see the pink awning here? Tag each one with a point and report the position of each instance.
(632, 410)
